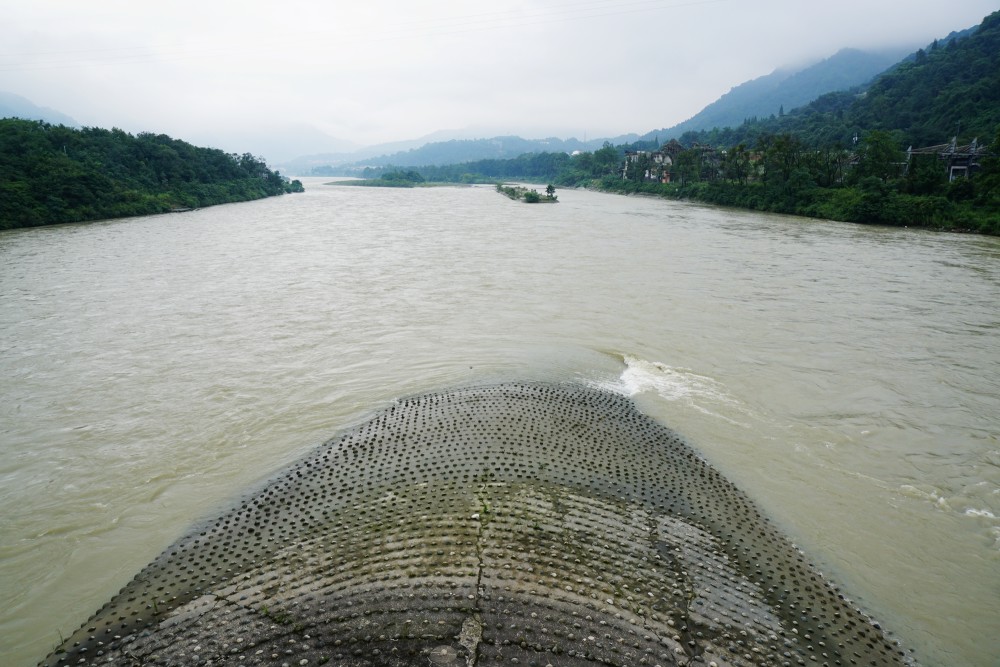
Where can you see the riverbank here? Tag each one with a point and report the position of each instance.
(869, 203)
(56, 174)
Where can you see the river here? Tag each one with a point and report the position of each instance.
(847, 377)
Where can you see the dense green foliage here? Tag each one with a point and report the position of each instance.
(530, 166)
(923, 198)
(51, 174)
(872, 183)
(392, 179)
(941, 92)
(409, 177)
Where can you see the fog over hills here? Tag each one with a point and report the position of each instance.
(782, 90)
(300, 148)
(452, 151)
(15, 106)
(785, 89)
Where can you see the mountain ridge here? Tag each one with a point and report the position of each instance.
(457, 151)
(782, 90)
(785, 89)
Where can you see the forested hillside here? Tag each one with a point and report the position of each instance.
(842, 157)
(51, 174)
(944, 91)
(784, 90)
(764, 96)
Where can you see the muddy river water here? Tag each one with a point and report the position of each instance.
(846, 377)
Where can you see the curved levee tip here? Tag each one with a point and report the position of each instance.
(529, 524)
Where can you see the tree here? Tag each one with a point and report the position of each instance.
(550, 190)
(879, 156)
(878, 204)
(408, 176)
(687, 166)
(736, 164)
(607, 159)
(53, 174)
(781, 156)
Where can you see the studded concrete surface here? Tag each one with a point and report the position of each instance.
(518, 524)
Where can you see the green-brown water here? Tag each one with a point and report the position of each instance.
(846, 377)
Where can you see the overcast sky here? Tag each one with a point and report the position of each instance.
(371, 71)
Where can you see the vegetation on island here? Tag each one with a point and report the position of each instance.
(392, 179)
(842, 157)
(53, 174)
(528, 195)
(529, 167)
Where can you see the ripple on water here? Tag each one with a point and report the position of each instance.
(158, 367)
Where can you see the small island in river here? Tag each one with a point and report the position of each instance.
(529, 196)
(394, 179)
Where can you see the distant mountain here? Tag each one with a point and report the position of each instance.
(277, 142)
(305, 162)
(465, 150)
(785, 89)
(437, 137)
(949, 88)
(457, 151)
(15, 106)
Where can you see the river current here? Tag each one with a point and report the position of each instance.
(154, 369)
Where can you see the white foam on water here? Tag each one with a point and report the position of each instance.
(956, 505)
(675, 384)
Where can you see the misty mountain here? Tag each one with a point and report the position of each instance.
(953, 36)
(277, 143)
(15, 106)
(457, 151)
(464, 150)
(785, 89)
(950, 88)
(304, 163)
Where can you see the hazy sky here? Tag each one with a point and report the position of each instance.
(370, 71)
